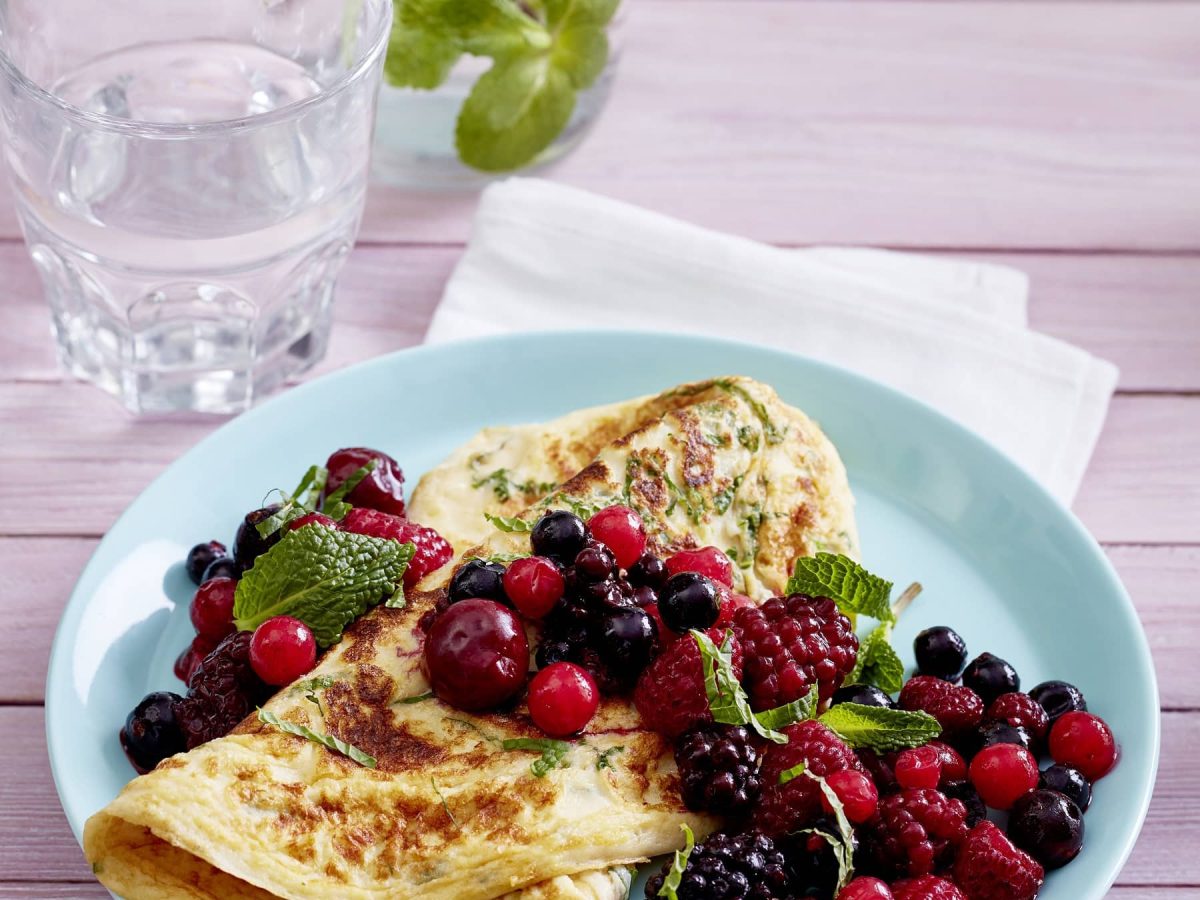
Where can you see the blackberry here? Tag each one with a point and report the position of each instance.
(223, 690)
(813, 864)
(915, 832)
(793, 644)
(731, 867)
(718, 769)
(201, 557)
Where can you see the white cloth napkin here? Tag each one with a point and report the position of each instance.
(954, 334)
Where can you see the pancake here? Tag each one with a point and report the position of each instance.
(447, 812)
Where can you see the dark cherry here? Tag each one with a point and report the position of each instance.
(940, 652)
(649, 571)
(689, 600)
(151, 733)
(249, 545)
(1058, 698)
(865, 694)
(559, 535)
(617, 595)
(478, 578)
(477, 655)
(200, 557)
(644, 595)
(1048, 826)
(1068, 782)
(222, 567)
(627, 642)
(595, 562)
(990, 676)
(381, 489)
(990, 733)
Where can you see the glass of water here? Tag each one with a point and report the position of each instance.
(190, 177)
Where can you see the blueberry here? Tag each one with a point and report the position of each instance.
(940, 652)
(615, 595)
(690, 600)
(965, 791)
(559, 535)
(201, 557)
(649, 571)
(627, 642)
(1069, 782)
(990, 676)
(865, 694)
(478, 578)
(1058, 698)
(151, 733)
(248, 544)
(222, 567)
(644, 595)
(1048, 826)
(595, 562)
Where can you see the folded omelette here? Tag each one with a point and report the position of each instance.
(447, 812)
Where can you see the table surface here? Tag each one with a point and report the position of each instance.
(1060, 138)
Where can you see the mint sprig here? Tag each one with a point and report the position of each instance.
(879, 729)
(335, 505)
(878, 663)
(553, 753)
(325, 740)
(299, 502)
(674, 877)
(543, 53)
(855, 590)
(323, 577)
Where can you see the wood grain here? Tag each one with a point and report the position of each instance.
(37, 845)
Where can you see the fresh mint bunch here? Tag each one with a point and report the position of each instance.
(543, 53)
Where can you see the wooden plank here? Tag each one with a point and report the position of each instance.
(36, 844)
(907, 124)
(42, 572)
(1135, 310)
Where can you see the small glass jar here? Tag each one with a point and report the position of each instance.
(414, 132)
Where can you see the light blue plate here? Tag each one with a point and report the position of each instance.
(1001, 561)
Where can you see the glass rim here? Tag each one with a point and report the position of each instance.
(103, 121)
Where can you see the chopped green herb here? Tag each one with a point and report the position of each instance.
(299, 502)
(748, 438)
(502, 558)
(553, 753)
(419, 698)
(445, 805)
(723, 499)
(604, 757)
(503, 486)
(509, 524)
(727, 700)
(773, 434)
(310, 687)
(794, 772)
(325, 740)
(678, 866)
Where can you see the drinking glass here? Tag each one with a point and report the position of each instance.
(189, 178)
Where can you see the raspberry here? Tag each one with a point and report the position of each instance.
(1019, 709)
(787, 807)
(989, 867)
(957, 709)
(866, 888)
(792, 644)
(432, 551)
(718, 769)
(1084, 742)
(313, 518)
(224, 690)
(731, 867)
(927, 887)
(857, 792)
(914, 833)
(670, 694)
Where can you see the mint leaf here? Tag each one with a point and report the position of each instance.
(515, 111)
(855, 589)
(335, 505)
(299, 502)
(794, 772)
(509, 524)
(843, 842)
(325, 740)
(310, 687)
(878, 663)
(678, 866)
(727, 700)
(881, 730)
(323, 577)
(554, 753)
(791, 713)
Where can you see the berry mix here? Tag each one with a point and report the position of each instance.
(827, 785)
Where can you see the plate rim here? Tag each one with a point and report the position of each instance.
(67, 627)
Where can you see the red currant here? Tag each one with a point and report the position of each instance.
(1084, 741)
(282, 649)
(919, 767)
(477, 655)
(534, 584)
(954, 767)
(865, 888)
(381, 489)
(1002, 773)
(707, 561)
(212, 608)
(314, 518)
(858, 794)
(563, 697)
(621, 530)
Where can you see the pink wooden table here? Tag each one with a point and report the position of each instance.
(1063, 139)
